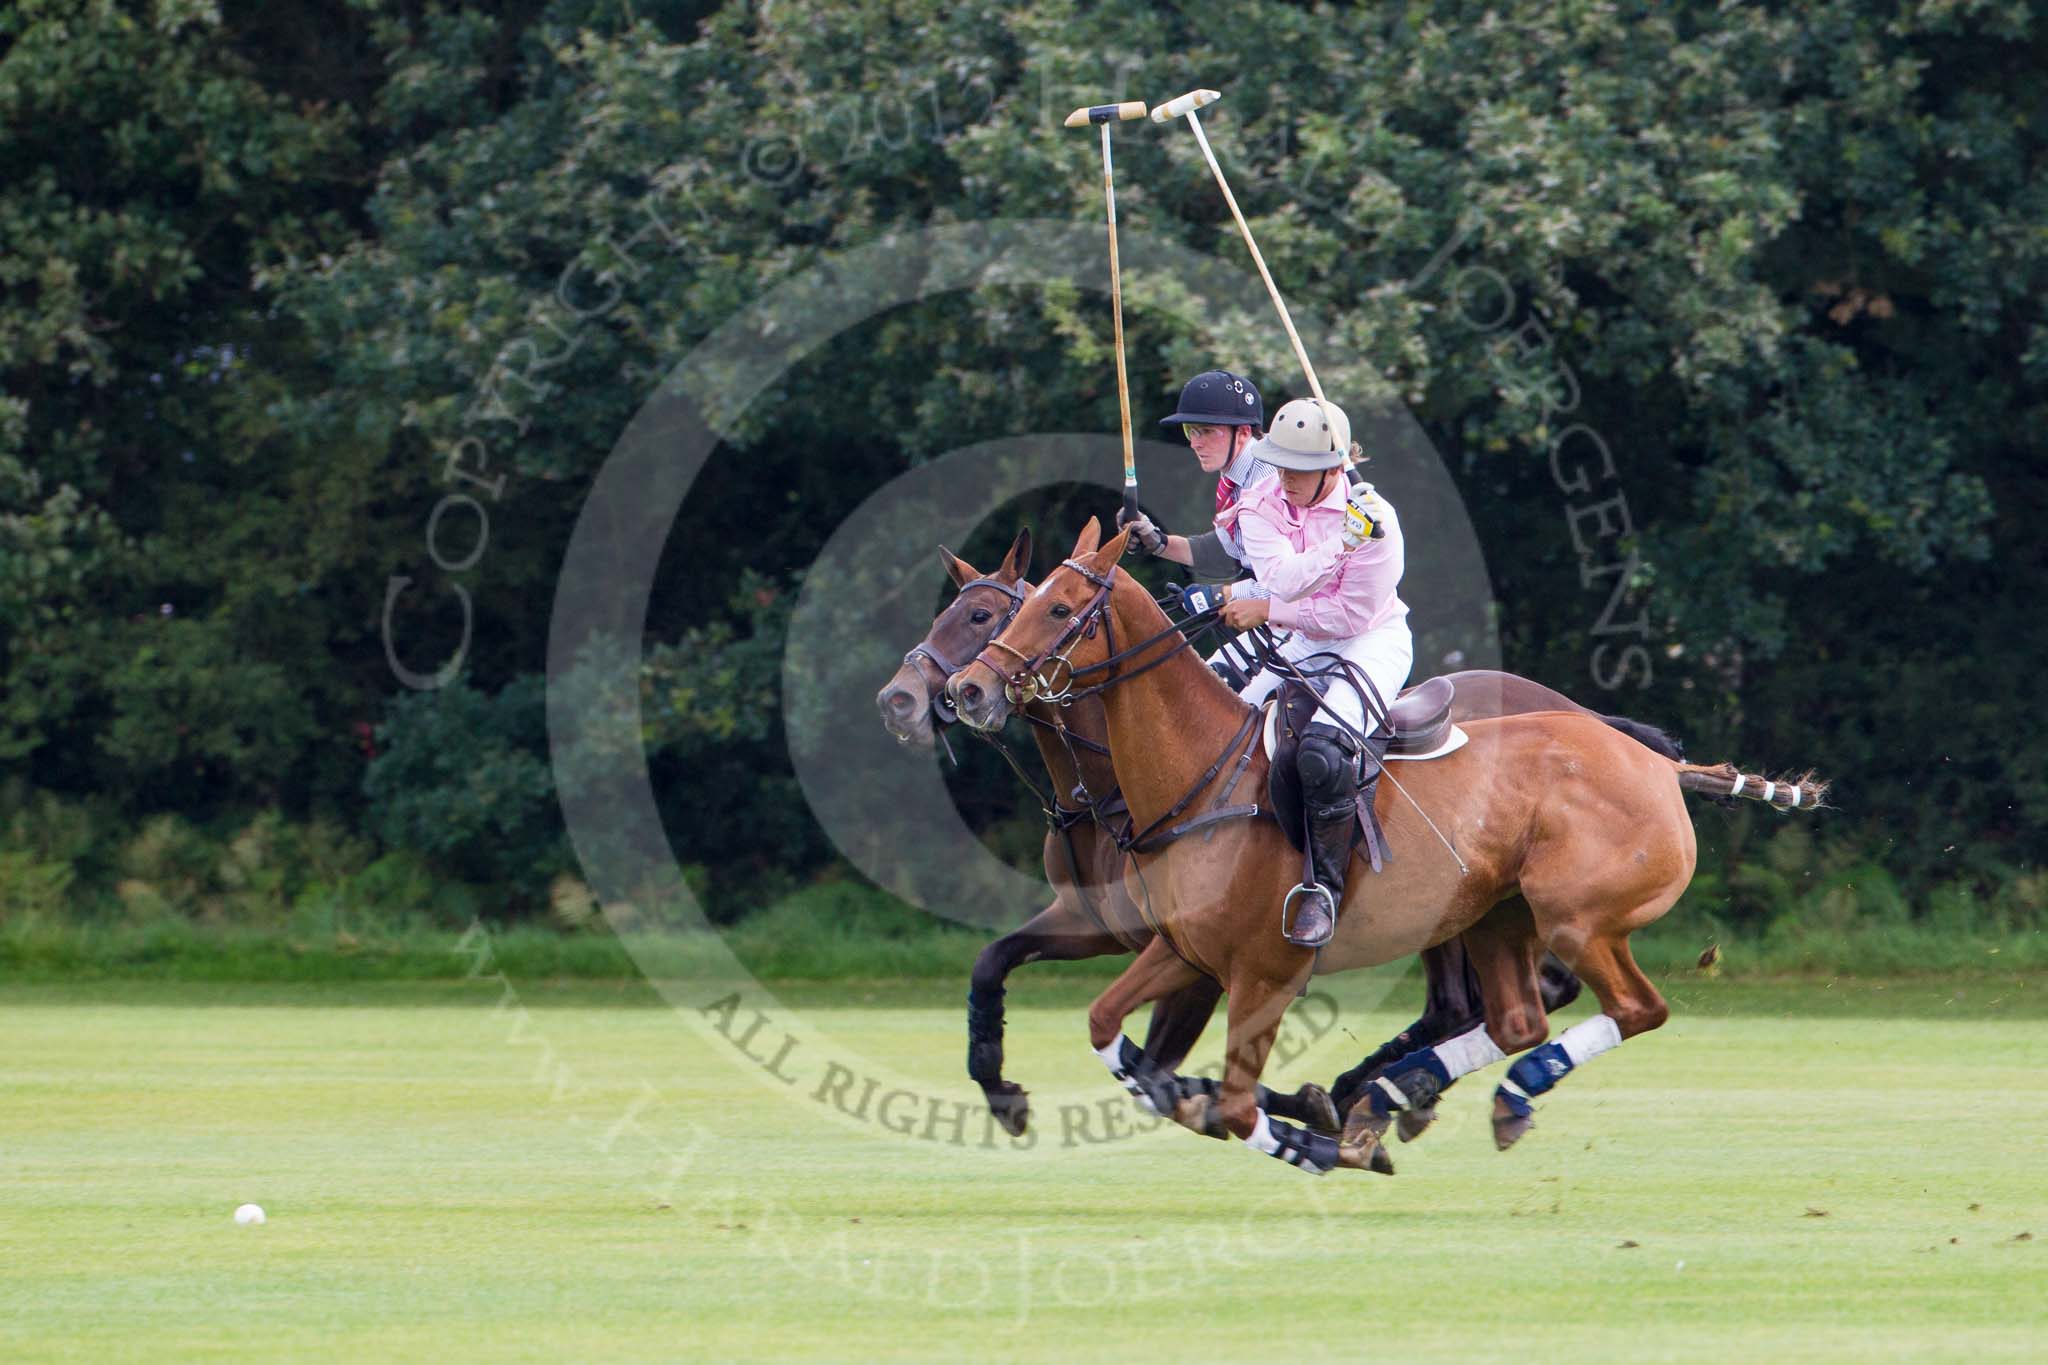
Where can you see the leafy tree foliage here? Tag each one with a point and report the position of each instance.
(1726, 319)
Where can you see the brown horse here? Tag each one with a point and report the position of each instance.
(1091, 915)
(1556, 831)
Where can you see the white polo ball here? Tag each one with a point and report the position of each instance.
(249, 1215)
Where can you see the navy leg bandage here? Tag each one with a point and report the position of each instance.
(1536, 1071)
(1414, 1082)
(1303, 1150)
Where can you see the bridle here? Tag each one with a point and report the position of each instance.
(1032, 680)
(925, 652)
(1050, 675)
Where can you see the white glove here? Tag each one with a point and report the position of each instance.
(1364, 516)
(1144, 534)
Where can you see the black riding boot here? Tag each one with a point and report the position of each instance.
(1329, 792)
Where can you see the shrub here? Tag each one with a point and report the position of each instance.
(463, 779)
(31, 888)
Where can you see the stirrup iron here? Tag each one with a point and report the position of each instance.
(1287, 917)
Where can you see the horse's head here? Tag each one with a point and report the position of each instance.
(1057, 631)
(914, 700)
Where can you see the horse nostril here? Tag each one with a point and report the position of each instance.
(970, 694)
(902, 703)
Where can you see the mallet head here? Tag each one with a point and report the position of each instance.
(1185, 104)
(1106, 113)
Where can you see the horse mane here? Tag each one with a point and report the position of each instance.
(1161, 620)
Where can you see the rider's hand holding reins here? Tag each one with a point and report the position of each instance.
(1242, 613)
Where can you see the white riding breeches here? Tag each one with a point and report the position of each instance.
(1384, 655)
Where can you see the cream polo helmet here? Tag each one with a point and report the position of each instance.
(1305, 435)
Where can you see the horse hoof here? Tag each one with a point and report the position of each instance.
(1318, 1111)
(1370, 1156)
(1413, 1123)
(1012, 1107)
(1508, 1126)
(1200, 1114)
(1364, 1127)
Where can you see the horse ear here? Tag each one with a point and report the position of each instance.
(1091, 538)
(1017, 564)
(1108, 555)
(959, 570)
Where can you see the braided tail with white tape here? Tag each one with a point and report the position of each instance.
(1804, 792)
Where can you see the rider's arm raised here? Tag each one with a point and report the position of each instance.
(1354, 600)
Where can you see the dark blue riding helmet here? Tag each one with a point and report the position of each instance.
(1218, 398)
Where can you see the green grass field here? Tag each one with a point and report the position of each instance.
(1804, 1171)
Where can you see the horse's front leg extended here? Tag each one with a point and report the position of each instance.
(1256, 1006)
(1158, 972)
(1058, 933)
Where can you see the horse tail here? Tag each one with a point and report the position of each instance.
(1649, 736)
(1725, 780)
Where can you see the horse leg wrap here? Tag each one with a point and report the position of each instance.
(1207, 1088)
(1297, 1147)
(1149, 1084)
(1416, 1080)
(1187, 1087)
(985, 1035)
(1541, 1068)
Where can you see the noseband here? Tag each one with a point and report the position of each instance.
(924, 651)
(1033, 678)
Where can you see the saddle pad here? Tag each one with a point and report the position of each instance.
(1454, 739)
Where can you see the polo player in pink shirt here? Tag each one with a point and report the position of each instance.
(1329, 557)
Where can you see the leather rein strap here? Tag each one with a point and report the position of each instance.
(1029, 682)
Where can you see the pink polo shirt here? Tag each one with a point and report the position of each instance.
(1319, 588)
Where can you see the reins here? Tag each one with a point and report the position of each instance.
(1060, 818)
(1034, 679)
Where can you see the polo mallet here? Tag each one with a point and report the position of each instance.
(1187, 104)
(1104, 115)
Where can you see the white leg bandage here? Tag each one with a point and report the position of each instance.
(1586, 1040)
(1261, 1137)
(1113, 1058)
(1468, 1052)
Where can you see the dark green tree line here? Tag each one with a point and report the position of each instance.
(270, 269)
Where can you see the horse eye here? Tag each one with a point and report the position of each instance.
(981, 617)
(1062, 612)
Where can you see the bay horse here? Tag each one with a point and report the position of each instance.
(1558, 831)
(1091, 915)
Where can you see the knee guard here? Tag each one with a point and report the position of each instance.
(1327, 767)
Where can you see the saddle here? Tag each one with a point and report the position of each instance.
(1423, 730)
